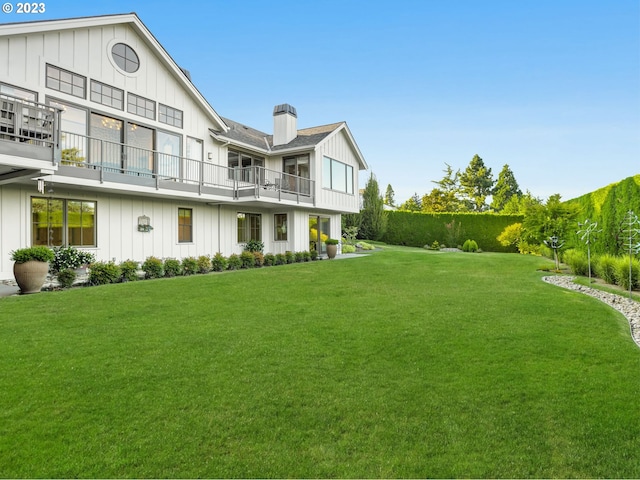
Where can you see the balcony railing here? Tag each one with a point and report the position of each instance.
(26, 124)
(120, 162)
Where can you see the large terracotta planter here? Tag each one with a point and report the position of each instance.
(332, 250)
(31, 275)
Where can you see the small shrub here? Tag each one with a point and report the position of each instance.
(435, 245)
(129, 271)
(605, 268)
(254, 246)
(314, 255)
(39, 254)
(470, 246)
(347, 248)
(66, 277)
(299, 257)
(269, 259)
(350, 234)
(219, 263)
(307, 255)
(532, 249)
(577, 261)
(102, 273)
(289, 257)
(365, 246)
(622, 272)
(280, 259)
(153, 268)
(70, 257)
(247, 259)
(234, 262)
(258, 259)
(172, 267)
(511, 235)
(189, 266)
(204, 264)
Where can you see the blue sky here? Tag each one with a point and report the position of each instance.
(551, 88)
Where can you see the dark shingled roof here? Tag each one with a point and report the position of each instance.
(307, 137)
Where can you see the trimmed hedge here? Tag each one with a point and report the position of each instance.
(417, 229)
(608, 206)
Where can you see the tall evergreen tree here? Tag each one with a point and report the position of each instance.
(441, 201)
(476, 183)
(505, 188)
(450, 183)
(414, 204)
(447, 196)
(373, 221)
(389, 196)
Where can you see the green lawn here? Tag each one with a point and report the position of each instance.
(405, 363)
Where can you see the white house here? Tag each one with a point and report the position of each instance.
(106, 145)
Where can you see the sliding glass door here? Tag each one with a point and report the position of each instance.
(319, 231)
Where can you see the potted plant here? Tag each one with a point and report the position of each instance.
(332, 247)
(31, 267)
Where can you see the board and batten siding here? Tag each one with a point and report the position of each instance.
(87, 52)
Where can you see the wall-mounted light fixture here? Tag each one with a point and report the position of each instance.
(144, 224)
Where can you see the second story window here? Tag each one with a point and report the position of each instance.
(16, 92)
(107, 95)
(66, 82)
(169, 115)
(141, 106)
(125, 57)
(337, 175)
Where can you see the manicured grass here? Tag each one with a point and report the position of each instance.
(405, 363)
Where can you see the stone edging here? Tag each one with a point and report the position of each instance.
(629, 308)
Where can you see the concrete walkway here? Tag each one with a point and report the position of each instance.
(8, 290)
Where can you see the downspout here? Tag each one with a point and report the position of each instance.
(219, 229)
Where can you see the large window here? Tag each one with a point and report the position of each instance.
(185, 225)
(296, 174)
(66, 82)
(240, 166)
(337, 175)
(280, 226)
(249, 227)
(169, 146)
(60, 222)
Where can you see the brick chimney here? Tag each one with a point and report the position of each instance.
(285, 124)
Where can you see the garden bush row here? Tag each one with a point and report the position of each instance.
(101, 273)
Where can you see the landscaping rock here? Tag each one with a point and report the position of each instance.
(628, 307)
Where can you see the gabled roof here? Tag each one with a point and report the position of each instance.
(306, 139)
(132, 20)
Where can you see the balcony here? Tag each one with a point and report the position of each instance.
(29, 136)
(106, 161)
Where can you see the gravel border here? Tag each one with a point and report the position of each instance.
(629, 308)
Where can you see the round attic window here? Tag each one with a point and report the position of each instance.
(125, 57)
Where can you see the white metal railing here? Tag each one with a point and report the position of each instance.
(111, 157)
(29, 122)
